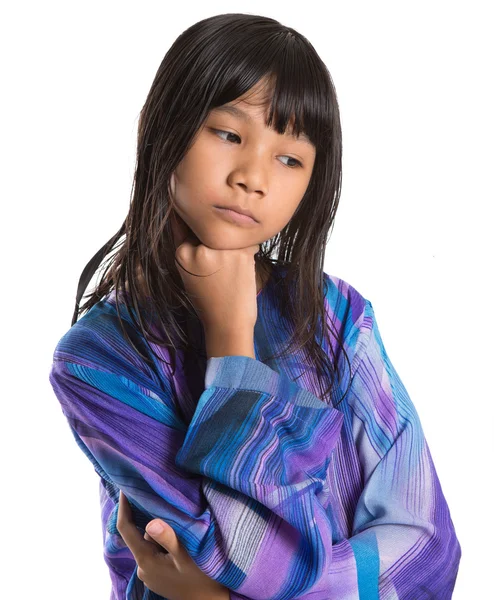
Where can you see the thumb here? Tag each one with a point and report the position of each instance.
(164, 535)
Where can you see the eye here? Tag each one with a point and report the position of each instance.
(297, 162)
(227, 132)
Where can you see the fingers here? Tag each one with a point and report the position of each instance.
(129, 532)
(158, 546)
(167, 539)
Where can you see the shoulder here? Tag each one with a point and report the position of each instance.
(350, 314)
(97, 340)
(341, 297)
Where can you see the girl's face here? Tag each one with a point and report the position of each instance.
(236, 159)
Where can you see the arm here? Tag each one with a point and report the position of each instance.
(403, 543)
(254, 522)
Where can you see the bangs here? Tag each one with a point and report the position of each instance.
(285, 73)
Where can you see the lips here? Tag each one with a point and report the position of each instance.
(236, 217)
(239, 210)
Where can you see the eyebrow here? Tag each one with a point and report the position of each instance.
(241, 114)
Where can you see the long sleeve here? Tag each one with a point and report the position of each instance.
(403, 544)
(242, 483)
(261, 444)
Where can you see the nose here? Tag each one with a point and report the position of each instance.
(249, 189)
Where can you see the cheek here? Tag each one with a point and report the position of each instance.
(206, 158)
(275, 221)
(201, 183)
(285, 214)
(194, 200)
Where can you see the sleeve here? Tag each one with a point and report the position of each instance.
(403, 543)
(238, 485)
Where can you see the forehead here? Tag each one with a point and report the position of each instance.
(244, 115)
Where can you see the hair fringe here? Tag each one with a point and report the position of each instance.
(211, 63)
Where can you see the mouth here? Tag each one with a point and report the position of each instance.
(240, 210)
(236, 217)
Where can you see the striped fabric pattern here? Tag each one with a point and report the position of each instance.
(274, 493)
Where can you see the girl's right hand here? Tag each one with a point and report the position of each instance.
(222, 288)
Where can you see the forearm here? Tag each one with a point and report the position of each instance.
(240, 343)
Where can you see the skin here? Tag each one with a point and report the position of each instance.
(250, 169)
(163, 563)
(219, 168)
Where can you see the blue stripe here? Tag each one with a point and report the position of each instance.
(367, 558)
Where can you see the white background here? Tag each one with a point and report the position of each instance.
(413, 234)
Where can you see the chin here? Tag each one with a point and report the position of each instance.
(221, 240)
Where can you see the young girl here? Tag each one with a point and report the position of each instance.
(282, 448)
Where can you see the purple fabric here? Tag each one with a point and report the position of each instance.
(274, 492)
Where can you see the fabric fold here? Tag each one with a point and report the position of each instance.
(274, 493)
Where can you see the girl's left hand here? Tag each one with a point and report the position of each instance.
(164, 565)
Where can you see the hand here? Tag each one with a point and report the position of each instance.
(164, 565)
(223, 287)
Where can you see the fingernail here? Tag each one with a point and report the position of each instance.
(154, 527)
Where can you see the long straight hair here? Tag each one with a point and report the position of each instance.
(213, 62)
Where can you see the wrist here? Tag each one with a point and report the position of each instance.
(240, 343)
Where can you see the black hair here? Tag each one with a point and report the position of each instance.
(211, 63)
